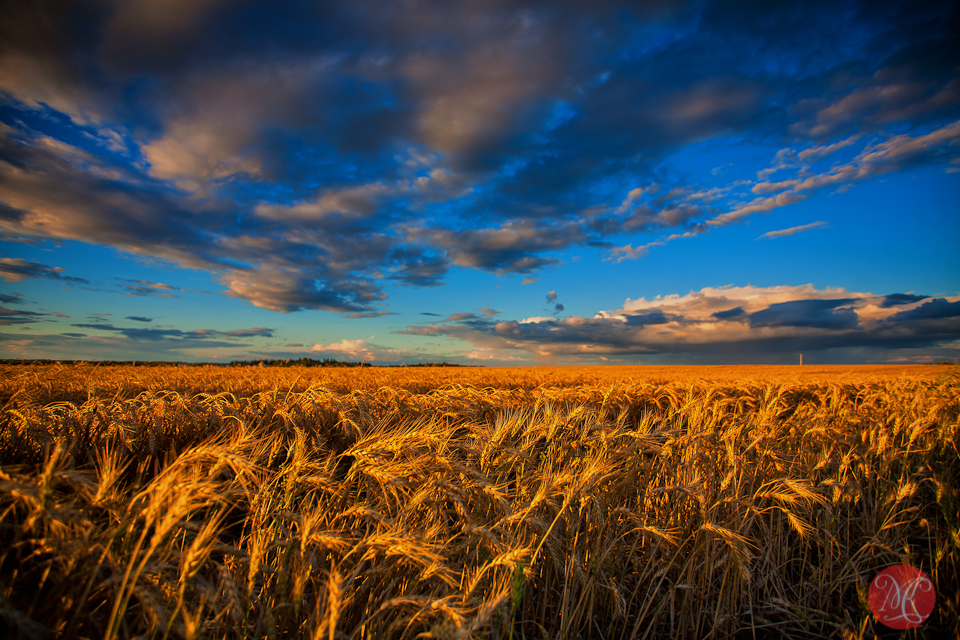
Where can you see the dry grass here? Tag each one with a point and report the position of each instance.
(471, 503)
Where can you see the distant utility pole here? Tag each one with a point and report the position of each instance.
(801, 359)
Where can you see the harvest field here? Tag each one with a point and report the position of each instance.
(620, 502)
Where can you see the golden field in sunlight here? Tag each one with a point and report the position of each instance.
(607, 502)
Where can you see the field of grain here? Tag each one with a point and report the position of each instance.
(646, 502)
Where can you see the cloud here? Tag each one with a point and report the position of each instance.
(287, 290)
(736, 312)
(551, 299)
(114, 345)
(819, 314)
(217, 119)
(781, 233)
(892, 94)
(758, 205)
(469, 102)
(34, 69)
(50, 194)
(364, 350)
(413, 265)
(816, 153)
(16, 316)
(139, 319)
(934, 309)
(896, 299)
(157, 19)
(726, 324)
(371, 314)
(479, 316)
(895, 153)
(12, 298)
(346, 203)
(773, 187)
(344, 346)
(247, 333)
(628, 252)
(197, 336)
(901, 151)
(510, 248)
(146, 288)
(15, 270)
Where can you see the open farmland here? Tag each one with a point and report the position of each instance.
(612, 502)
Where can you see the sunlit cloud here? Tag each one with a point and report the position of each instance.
(15, 270)
(782, 233)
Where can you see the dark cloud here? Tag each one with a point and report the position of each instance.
(736, 312)
(142, 288)
(461, 317)
(643, 319)
(247, 333)
(15, 270)
(204, 336)
(896, 299)
(11, 298)
(820, 314)
(371, 314)
(134, 333)
(116, 346)
(17, 316)
(511, 248)
(415, 266)
(286, 291)
(931, 310)
(139, 319)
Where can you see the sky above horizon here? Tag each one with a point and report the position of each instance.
(483, 182)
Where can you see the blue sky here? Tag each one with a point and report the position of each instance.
(485, 182)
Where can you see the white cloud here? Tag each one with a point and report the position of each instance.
(344, 346)
(365, 350)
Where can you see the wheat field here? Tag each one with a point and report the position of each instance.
(366, 503)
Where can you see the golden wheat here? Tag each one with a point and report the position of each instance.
(207, 502)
